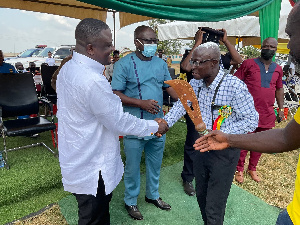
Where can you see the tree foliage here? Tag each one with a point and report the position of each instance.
(250, 51)
(169, 47)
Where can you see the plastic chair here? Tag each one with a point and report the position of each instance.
(47, 90)
(18, 97)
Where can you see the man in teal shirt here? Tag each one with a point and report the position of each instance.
(138, 79)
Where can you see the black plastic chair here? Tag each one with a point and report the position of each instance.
(18, 97)
(47, 90)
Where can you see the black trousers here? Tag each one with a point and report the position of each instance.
(192, 135)
(94, 210)
(214, 171)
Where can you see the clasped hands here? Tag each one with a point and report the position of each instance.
(162, 127)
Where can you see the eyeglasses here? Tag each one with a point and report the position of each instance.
(199, 63)
(149, 41)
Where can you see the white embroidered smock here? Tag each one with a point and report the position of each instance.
(90, 120)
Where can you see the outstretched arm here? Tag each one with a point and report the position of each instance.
(270, 141)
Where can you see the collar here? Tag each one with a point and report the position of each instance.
(215, 82)
(92, 64)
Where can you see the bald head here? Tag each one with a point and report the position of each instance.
(140, 30)
(89, 30)
(270, 40)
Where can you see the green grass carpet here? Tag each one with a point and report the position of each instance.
(243, 208)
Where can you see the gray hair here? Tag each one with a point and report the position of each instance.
(89, 29)
(210, 48)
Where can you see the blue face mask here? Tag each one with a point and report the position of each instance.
(149, 50)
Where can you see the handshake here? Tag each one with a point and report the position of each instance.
(162, 127)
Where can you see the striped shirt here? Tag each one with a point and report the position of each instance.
(232, 92)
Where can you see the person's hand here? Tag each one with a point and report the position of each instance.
(281, 115)
(198, 37)
(150, 106)
(224, 38)
(214, 140)
(162, 127)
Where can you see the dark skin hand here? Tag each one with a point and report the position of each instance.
(270, 141)
(163, 127)
(150, 105)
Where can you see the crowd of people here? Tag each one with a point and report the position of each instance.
(102, 96)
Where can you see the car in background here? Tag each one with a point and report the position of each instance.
(58, 53)
(31, 52)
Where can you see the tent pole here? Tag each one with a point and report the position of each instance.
(114, 16)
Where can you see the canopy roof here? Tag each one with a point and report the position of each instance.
(132, 11)
(185, 10)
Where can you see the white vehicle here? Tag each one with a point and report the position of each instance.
(58, 53)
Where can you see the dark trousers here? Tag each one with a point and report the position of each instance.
(192, 135)
(214, 171)
(94, 210)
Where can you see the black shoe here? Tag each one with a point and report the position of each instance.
(159, 203)
(134, 212)
(189, 188)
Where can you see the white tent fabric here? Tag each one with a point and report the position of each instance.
(246, 26)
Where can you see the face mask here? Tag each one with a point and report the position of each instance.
(284, 77)
(149, 50)
(267, 54)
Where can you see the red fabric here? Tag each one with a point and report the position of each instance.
(52, 134)
(292, 3)
(254, 156)
(54, 109)
(264, 98)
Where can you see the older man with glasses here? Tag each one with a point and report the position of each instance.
(226, 105)
(138, 79)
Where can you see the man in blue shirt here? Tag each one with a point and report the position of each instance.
(138, 79)
(6, 67)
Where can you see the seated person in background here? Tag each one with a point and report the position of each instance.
(32, 68)
(50, 61)
(110, 68)
(20, 68)
(5, 67)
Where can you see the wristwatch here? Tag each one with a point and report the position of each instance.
(282, 110)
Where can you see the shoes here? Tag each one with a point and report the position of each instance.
(189, 188)
(134, 212)
(159, 203)
(253, 175)
(239, 177)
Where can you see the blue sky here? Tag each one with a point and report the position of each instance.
(21, 30)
